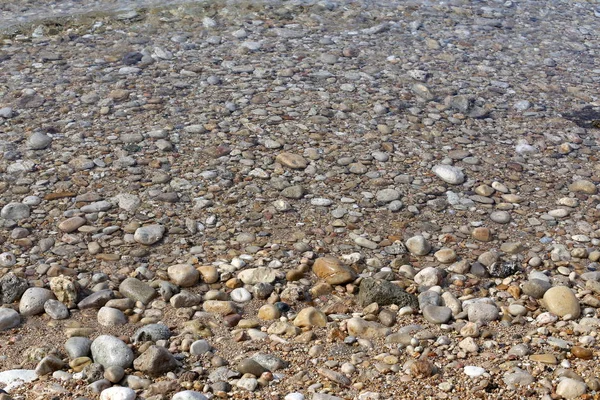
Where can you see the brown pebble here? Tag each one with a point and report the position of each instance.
(582, 352)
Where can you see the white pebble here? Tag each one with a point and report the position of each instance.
(474, 371)
(240, 295)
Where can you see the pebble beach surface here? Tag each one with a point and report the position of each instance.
(301, 200)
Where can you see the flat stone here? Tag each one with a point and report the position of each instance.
(249, 366)
(561, 300)
(333, 271)
(71, 224)
(291, 160)
(55, 309)
(366, 329)
(569, 388)
(118, 393)
(189, 395)
(219, 307)
(253, 276)
(544, 358)
(483, 313)
(583, 186)
(96, 300)
(16, 377)
(38, 141)
(137, 290)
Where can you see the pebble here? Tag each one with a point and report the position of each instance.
(418, 245)
(118, 393)
(56, 309)
(449, 174)
(154, 361)
(150, 234)
(437, 314)
(333, 271)
(9, 318)
(108, 351)
(561, 301)
(108, 316)
(569, 388)
(184, 275)
(473, 371)
(33, 300)
(310, 317)
(240, 295)
(189, 395)
(15, 211)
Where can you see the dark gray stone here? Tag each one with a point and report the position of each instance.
(96, 300)
(384, 293)
(12, 288)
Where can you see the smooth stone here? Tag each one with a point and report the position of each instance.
(384, 293)
(109, 350)
(219, 307)
(189, 395)
(16, 377)
(108, 316)
(96, 300)
(294, 396)
(387, 195)
(449, 174)
(15, 211)
(535, 288)
(500, 217)
(366, 329)
(137, 290)
(544, 358)
(583, 186)
(114, 374)
(269, 312)
(209, 273)
(518, 378)
(200, 347)
(249, 366)
(48, 364)
(55, 309)
(418, 245)
(437, 314)
(149, 234)
(33, 300)
(561, 300)
(240, 295)
(582, 352)
(249, 384)
(482, 313)
(473, 371)
(445, 256)
(184, 275)
(118, 393)
(253, 276)
(151, 333)
(156, 360)
(71, 224)
(290, 160)
(9, 318)
(270, 361)
(428, 276)
(333, 271)
(310, 317)
(78, 347)
(569, 388)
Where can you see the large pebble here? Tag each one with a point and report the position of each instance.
(9, 318)
(253, 276)
(189, 395)
(482, 313)
(291, 160)
(366, 329)
(184, 275)
(384, 293)
(149, 234)
(583, 186)
(561, 300)
(32, 301)
(152, 333)
(310, 317)
(437, 314)
(108, 316)
(109, 350)
(137, 290)
(570, 388)
(449, 174)
(156, 360)
(118, 393)
(333, 271)
(418, 245)
(15, 211)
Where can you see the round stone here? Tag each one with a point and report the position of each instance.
(200, 347)
(38, 141)
(500, 217)
(56, 309)
(561, 300)
(118, 393)
(209, 273)
(290, 160)
(583, 186)
(437, 314)
(387, 195)
(7, 259)
(78, 346)
(333, 271)
(482, 313)
(445, 256)
(109, 350)
(268, 312)
(149, 234)
(240, 295)
(310, 317)
(152, 333)
(570, 388)
(108, 316)
(189, 395)
(184, 275)
(449, 174)
(9, 318)
(15, 211)
(249, 366)
(474, 371)
(114, 374)
(33, 300)
(418, 245)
